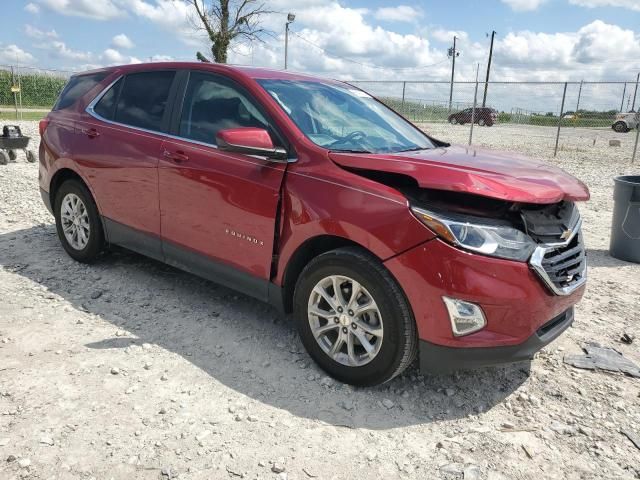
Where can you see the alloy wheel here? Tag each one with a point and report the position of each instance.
(75, 221)
(345, 320)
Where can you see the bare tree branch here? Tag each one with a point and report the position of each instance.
(202, 58)
(225, 21)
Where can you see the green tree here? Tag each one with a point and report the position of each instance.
(225, 21)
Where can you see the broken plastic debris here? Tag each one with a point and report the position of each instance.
(603, 358)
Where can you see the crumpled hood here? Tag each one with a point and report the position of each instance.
(500, 175)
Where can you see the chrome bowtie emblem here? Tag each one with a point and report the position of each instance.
(566, 234)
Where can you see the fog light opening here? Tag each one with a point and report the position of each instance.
(465, 317)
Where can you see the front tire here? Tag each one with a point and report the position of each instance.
(453, 121)
(77, 222)
(481, 122)
(353, 318)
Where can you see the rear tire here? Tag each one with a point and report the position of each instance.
(453, 121)
(78, 222)
(481, 122)
(12, 155)
(620, 127)
(31, 157)
(4, 157)
(385, 324)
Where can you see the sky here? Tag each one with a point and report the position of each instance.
(536, 40)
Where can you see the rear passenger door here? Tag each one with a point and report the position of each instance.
(218, 208)
(118, 149)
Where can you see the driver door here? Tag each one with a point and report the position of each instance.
(218, 209)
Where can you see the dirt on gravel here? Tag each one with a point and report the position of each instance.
(130, 369)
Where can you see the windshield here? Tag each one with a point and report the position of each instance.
(342, 118)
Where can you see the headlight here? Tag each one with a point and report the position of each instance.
(494, 240)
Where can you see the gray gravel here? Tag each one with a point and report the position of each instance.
(131, 369)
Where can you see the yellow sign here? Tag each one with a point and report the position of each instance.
(15, 89)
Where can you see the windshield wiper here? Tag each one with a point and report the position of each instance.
(349, 150)
(413, 149)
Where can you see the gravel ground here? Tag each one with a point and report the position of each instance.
(131, 369)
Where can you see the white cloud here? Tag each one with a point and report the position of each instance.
(122, 41)
(9, 54)
(32, 8)
(111, 55)
(630, 4)
(59, 49)
(95, 9)
(524, 5)
(161, 58)
(443, 35)
(38, 34)
(400, 13)
(600, 41)
(172, 15)
(597, 51)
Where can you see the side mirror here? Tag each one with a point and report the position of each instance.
(249, 141)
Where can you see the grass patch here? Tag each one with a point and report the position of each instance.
(11, 116)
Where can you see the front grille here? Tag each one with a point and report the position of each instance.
(562, 267)
(565, 265)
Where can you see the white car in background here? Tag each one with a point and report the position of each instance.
(626, 121)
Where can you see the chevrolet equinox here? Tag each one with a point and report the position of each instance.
(310, 194)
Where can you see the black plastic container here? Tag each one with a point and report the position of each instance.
(625, 228)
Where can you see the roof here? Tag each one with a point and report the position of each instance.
(246, 70)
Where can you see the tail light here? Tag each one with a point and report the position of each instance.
(44, 123)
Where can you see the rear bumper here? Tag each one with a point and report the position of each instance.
(440, 359)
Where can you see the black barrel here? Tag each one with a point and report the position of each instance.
(625, 229)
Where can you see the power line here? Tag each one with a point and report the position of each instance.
(369, 65)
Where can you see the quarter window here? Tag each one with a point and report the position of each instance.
(77, 86)
(212, 104)
(143, 99)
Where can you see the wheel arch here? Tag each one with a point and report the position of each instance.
(306, 252)
(61, 176)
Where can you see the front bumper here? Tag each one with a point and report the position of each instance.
(515, 300)
(441, 359)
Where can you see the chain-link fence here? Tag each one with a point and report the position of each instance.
(29, 93)
(539, 118)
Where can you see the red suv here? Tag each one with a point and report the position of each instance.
(385, 243)
(482, 116)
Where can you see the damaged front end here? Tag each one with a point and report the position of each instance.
(546, 236)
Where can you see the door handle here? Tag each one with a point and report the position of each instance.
(91, 132)
(177, 157)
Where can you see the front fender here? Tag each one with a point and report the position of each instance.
(314, 206)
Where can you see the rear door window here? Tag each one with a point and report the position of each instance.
(143, 99)
(77, 86)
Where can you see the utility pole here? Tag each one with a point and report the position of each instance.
(486, 83)
(290, 18)
(633, 106)
(624, 92)
(453, 53)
